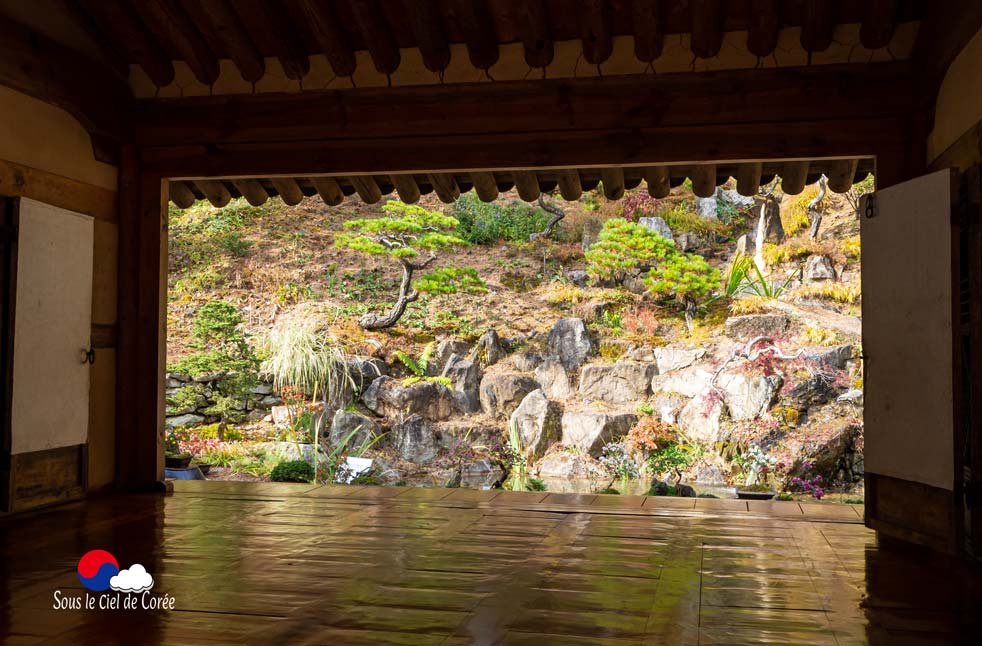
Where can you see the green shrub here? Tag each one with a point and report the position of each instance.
(235, 244)
(684, 277)
(292, 471)
(486, 223)
(623, 246)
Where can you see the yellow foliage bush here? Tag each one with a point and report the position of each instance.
(838, 292)
(821, 336)
(748, 305)
(851, 247)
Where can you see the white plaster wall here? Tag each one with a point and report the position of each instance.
(959, 104)
(42, 136)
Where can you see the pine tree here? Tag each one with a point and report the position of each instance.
(404, 234)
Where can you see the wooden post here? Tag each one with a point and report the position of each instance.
(142, 292)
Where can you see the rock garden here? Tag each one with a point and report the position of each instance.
(675, 346)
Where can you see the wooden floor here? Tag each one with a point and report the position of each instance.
(296, 564)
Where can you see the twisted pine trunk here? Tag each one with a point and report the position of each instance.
(813, 211)
(406, 296)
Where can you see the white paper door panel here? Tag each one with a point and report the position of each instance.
(907, 332)
(52, 328)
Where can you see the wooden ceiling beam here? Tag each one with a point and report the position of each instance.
(613, 103)
(485, 185)
(763, 26)
(254, 192)
(703, 178)
(374, 28)
(479, 35)
(569, 184)
(118, 20)
(218, 18)
(536, 32)
(268, 21)
(406, 186)
(793, 177)
(427, 25)
(39, 67)
(748, 178)
(181, 194)
(214, 191)
(289, 190)
(817, 24)
(170, 23)
(595, 31)
(527, 184)
(328, 189)
(333, 41)
(841, 174)
(647, 25)
(445, 185)
(658, 180)
(707, 27)
(613, 181)
(878, 24)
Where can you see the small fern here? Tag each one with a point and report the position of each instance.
(415, 379)
(417, 366)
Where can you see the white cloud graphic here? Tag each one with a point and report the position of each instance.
(135, 579)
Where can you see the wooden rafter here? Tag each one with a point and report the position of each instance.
(595, 31)
(375, 31)
(427, 26)
(220, 22)
(536, 32)
(170, 24)
(707, 27)
(269, 26)
(764, 26)
(478, 28)
(648, 37)
(120, 23)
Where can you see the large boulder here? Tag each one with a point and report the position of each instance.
(818, 268)
(578, 277)
(189, 419)
(537, 421)
(667, 406)
(465, 379)
(553, 379)
(748, 397)
(670, 359)
(361, 429)
(699, 420)
(836, 358)
(364, 370)
(568, 463)
(749, 326)
(465, 432)
(568, 340)
(657, 225)
(524, 361)
(488, 350)
(388, 397)
(617, 382)
(443, 352)
(414, 439)
(816, 390)
(834, 451)
(502, 392)
(746, 245)
(688, 382)
(590, 431)
(591, 232)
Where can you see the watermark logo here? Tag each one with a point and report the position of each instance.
(99, 572)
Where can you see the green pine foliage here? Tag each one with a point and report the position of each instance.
(405, 230)
(683, 277)
(623, 246)
(452, 280)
